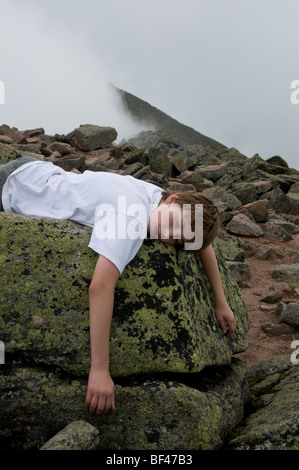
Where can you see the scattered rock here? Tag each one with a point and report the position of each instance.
(231, 252)
(90, 137)
(274, 424)
(55, 155)
(289, 313)
(283, 286)
(213, 172)
(265, 252)
(159, 161)
(4, 139)
(179, 163)
(288, 320)
(223, 199)
(78, 435)
(258, 209)
(250, 192)
(197, 181)
(279, 201)
(274, 230)
(286, 272)
(60, 147)
(34, 132)
(277, 160)
(239, 271)
(273, 297)
(277, 330)
(293, 253)
(242, 225)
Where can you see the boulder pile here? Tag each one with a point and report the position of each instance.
(178, 384)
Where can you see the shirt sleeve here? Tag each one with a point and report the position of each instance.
(117, 237)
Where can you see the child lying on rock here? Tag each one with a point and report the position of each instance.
(122, 211)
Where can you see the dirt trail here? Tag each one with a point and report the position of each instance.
(261, 345)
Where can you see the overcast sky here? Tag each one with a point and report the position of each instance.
(223, 67)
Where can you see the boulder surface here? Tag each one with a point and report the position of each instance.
(168, 355)
(163, 317)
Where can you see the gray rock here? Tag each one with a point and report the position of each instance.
(231, 251)
(285, 203)
(273, 424)
(90, 137)
(287, 272)
(258, 371)
(294, 188)
(258, 209)
(293, 199)
(61, 147)
(290, 314)
(248, 192)
(278, 330)
(159, 162)
(293, 253)
(273, 297)
(274, 229)
(277, 160)
(78, 435)
(213, 172)
(265, 252)
(34, 132)
(242, 225)
(223, 199)
(240, 271)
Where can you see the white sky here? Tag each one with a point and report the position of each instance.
(223, 67)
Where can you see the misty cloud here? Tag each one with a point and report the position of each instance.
(53, 78)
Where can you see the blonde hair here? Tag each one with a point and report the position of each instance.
(211, 220)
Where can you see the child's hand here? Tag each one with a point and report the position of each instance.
(226, 318)
(100, 392)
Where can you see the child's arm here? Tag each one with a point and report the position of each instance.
(100, 389)
(222, 310)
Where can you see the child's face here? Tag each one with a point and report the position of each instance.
(166, 223)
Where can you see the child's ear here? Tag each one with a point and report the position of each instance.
(171, 198)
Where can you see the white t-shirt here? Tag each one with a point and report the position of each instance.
(116, 206)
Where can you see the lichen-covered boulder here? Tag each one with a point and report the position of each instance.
(78, 435)
(273, 423)
(178, 411)
(163, 317)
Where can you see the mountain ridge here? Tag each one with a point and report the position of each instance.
(151, 116)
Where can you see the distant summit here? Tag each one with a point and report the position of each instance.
(156, 120)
